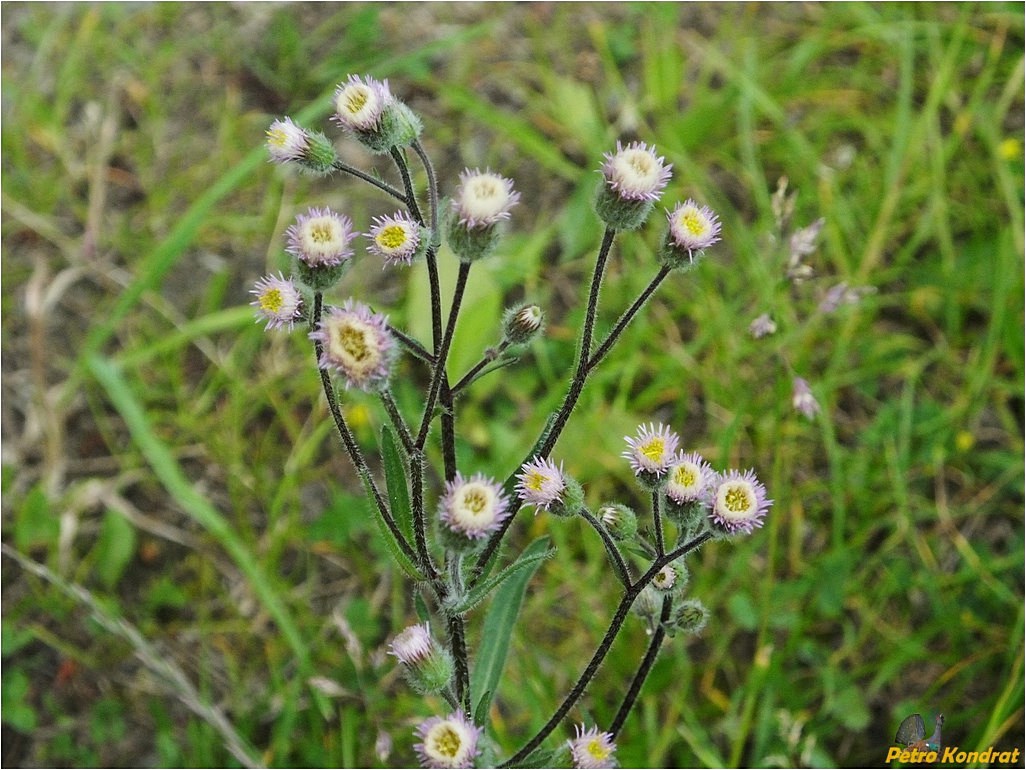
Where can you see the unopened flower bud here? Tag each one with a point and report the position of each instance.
(689, 616)
(571, 501)
(427, 666)
(521, 324)
(671, 579)
(620, 521)
(288, 142)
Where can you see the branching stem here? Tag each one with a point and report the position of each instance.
(615, 625)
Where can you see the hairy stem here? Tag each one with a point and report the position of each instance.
(411, 194)
(581, 375)
(443, 353)
(627, 317)
(657, 520)
(544, 445)
(619, 565)
(415, 348)
(646, 665)
(397, 420)
(432, 189)
(419, 520)
(383, 186)
(490, 355)
(615, 625)
(349, 441)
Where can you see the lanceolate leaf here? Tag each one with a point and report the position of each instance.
(395, 480)
(498, 626)
(400, 557)
(533, 555)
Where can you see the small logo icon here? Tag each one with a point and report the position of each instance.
(912, 734)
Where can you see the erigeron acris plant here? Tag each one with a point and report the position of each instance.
(446, 535)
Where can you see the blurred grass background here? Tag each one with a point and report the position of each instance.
(166, 455)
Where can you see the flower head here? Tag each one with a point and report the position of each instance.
(652, 449)
(483, 198)
(473, 507)
(278, 301)
(396, 239)
(692, 227)
(320, 238)
(540, 483)
(738, 502)
(286, 141)
(592, 748)
(802, 398)
(356, 342)
(635, 172)
(427, 666)
(360, 103)
(447, 742)
(412, 645)
(843, 294)
(688, 477)
(762, 326)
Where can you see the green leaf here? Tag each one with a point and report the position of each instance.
(35, 523)
(16, 712)
(532, 556)
(114, 548)
(421, 607)
(393, 546)
(498, 626)
(395, 480)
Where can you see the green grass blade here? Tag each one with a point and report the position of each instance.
(498, 627)
(198, 507)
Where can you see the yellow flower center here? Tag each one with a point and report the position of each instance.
(653, 449)
(694, 222)
(322, 232)
(446, 741)
(484, 187)
(391, 237)
(354, 342)
(641, 162)
(475, 501)
(276, 137)
(598, 749)
(684, 476)
(355, 99)
(272, 301)
(737, 499)
(535, 481)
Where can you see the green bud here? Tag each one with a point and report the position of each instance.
(671, 579)
(322, 277)
(620, 521)
(319, 156)
(618, 213)
(689, 616)
(471, 243)
(571, 501)
(522, 324)
(398, 126)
